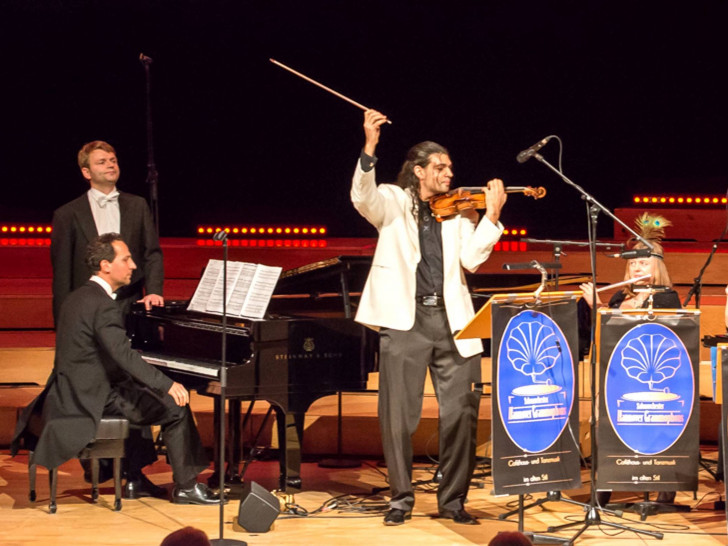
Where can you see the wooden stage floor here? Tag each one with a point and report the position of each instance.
(356, 521)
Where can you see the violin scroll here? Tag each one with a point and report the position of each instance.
(536, 193)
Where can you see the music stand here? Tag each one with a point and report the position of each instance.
(481, 326)
(722, 372)
(646, 507)
(222, 236)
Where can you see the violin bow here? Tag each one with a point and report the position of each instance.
(322, 86)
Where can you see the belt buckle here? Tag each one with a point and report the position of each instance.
(429, 301)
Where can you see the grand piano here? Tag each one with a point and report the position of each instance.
(307, 347)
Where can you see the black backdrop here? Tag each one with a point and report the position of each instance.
(635, 89)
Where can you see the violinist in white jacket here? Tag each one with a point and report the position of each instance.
(417, 297)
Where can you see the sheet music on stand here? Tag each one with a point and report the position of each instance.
(249, 289)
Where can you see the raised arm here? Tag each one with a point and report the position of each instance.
(373, 121)
(364, 195)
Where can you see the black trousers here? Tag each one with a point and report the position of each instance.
(141, 406)
(404, 360)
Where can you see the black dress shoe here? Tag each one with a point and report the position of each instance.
(199, 494)
(459, 516)
(142, 487)
(396, 517)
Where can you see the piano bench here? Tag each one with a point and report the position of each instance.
(108, 444)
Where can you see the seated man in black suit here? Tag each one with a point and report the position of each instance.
(103, 209)
(97, 373)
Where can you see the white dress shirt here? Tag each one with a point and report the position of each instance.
(103, 284)
(105, 210)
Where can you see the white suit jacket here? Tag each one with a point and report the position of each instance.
(388, 299)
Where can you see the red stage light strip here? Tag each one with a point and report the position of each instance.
(510, 246)
(682, 200)
(268, 243)
(25, 241)
(265, 231)
(25, 230)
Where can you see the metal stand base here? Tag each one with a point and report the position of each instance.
(551, 496)
(533, 537)
(647, 507)
(593, 518)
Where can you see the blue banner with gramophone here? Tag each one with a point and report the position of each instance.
(647, 433)
(535, 409)
(535, 381)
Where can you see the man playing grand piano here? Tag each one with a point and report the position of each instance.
(416, 296)
(103, 209)
(97, 373)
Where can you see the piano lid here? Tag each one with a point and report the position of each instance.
(326, 276)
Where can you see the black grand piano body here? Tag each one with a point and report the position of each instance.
(288, 359)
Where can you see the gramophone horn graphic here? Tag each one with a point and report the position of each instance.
(533, 350)
(651, 359)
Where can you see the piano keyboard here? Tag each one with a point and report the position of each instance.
(196, 367)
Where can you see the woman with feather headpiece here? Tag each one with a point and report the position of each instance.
(651, 228)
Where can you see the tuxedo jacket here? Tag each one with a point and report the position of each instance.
(93, 353)
(388, 299)
(74, 228)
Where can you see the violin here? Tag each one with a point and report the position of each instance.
(445, 205)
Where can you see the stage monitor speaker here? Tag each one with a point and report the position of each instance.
(258, 508)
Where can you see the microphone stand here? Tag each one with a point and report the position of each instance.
(696, 288)
(222, 236)
(592, 517)
(558, 250)
(152, 175)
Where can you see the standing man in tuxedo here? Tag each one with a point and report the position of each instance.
(416, 296)
(103, 209)
(96, 373)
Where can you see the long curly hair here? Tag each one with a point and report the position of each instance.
(652, 228)
(418, 155)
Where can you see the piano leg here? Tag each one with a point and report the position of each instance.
(235, 436)
(290, 432)
(232, 444)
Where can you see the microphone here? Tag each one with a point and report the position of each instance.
(629, 254)
(528, 153)
(220, 235)
(145, 60)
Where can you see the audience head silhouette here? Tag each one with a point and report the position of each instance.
(187, 536)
